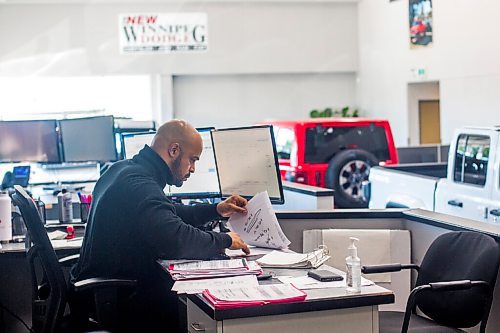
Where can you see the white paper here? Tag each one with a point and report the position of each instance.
(260, 293)
(197, 286)
(211, 265)
(304, 260)
(306, 282)
(259, 226)
(254, 251)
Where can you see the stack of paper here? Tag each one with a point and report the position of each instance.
(197, 286)
(213, 268)
(251, 296)
(281, 259)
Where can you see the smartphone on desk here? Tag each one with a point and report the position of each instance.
(324, 276)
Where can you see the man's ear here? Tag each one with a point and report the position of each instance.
(173, 150)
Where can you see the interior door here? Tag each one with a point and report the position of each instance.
(429, 122)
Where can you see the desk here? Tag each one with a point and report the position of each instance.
(324, 310)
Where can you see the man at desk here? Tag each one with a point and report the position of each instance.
(132, 224)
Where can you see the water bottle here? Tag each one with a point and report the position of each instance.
(65, 203)
(5, 217)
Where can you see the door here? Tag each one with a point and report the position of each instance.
(429, 122)
(467, 190)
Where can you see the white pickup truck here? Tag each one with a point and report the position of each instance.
(470, 188)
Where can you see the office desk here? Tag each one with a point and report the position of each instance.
(324, 310)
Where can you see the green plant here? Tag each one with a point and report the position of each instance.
(327, 112)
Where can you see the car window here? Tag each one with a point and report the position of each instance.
(323, 142)
(471, 159)
(284, 140)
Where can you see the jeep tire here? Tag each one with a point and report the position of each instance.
(345, 173)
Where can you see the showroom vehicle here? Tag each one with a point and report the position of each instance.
(468, 186)
(334, 152)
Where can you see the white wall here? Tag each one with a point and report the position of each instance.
(421, 91)
(260, 38)
(225, 101)
(464, 58)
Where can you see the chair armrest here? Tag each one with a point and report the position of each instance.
(69, 260)
(100, 283)
(437, 286)
(371, 269)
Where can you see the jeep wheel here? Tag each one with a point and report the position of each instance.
(345, 173)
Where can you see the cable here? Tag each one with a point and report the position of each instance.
(17, 317)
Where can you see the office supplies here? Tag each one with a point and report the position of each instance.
(280, 259)
(247, 162)
(253, 296)
(29, 141)
(353, 264)
(197, 286)
(264, 276)
(88, 139)
(259, 226)
(204, 269)
(65, 204)
(324, 276)
(5, 217)
(306, 282)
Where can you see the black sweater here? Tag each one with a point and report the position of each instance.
(132, 223)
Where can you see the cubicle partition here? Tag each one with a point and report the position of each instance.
(424, 227)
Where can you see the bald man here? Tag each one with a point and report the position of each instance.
(132, 224)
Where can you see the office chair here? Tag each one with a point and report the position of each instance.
(50, 290)
(454, 287)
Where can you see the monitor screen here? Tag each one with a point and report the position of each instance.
(88, 139)
(203, 183)
(134, 142)
(247, 162)
(29, 141)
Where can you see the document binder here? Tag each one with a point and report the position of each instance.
(253, 296)
(278, 259)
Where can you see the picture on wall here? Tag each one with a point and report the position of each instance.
(420, 22)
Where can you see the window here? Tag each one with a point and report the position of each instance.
(471, 159)
(322, 143)
(72, 97)
(284, 141)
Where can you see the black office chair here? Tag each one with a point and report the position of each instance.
(51, 292)
(454, 287)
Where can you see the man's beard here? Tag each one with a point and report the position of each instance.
(176, 166)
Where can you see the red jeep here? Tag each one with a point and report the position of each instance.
(336, 153)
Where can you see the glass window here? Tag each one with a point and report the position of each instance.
(71, 97)
(471, 159)
(284, 141)
(322, 143)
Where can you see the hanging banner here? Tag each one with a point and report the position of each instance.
(163, 33)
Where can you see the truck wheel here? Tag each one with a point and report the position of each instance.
(345, 173)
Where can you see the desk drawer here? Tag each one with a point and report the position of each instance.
(198, 321)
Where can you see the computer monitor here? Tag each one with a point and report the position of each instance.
(29, 141)
(204, 183)
(247, 162)
(133, 142)
(88, 139)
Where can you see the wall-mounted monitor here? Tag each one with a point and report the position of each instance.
(133, 142)
(247, 162)
(88, 139)
(204, 183)
(29, 141)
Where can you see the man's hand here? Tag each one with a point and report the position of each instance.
(238, 243)
(233, 204)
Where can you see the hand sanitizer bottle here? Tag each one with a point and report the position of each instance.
(353, 267)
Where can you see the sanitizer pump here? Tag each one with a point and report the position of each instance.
(353, 267)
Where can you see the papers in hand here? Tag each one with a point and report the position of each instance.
(213, 268)
(250, 296)
(259, 226)
(295, 260)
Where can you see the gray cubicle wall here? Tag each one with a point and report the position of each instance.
(424, 227)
